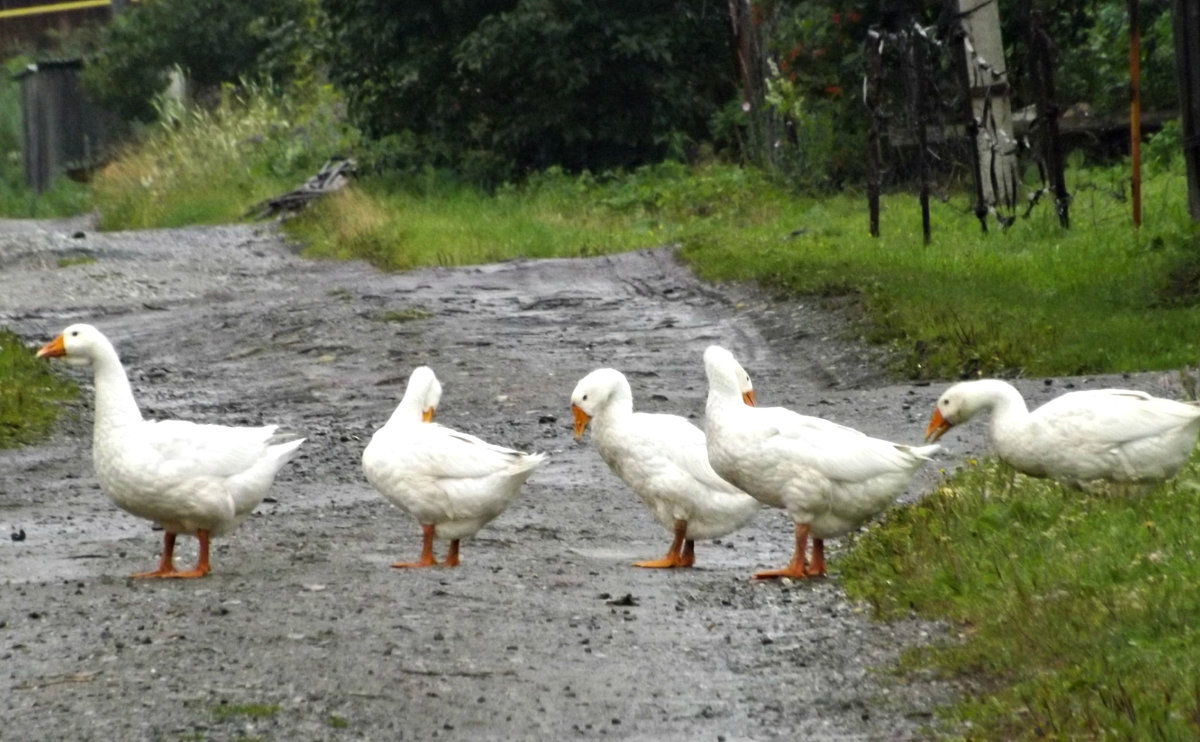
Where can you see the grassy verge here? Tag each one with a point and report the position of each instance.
(211, 166)
(1035, 299)
(29, 395)
(1075, 614)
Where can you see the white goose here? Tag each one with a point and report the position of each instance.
(830, 478)
(188, 478)
(663, 459)
(1084, 438)
(451, 482)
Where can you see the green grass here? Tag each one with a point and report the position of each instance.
(1035, 299)
(30, 393)
(1073, 615)
(212, 166)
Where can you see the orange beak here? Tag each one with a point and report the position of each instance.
(581, 420)
(748, 397)
(938, 425)
(53, 349)
(427, 415)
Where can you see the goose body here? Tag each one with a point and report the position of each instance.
(452, 483)
(664, 460)
(1082, 438)
(189, 478)
(828, 477)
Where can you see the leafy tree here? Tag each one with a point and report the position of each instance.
(213, 41)
(504, 87)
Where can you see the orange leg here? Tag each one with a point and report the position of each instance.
(452, 555)
(427, 559)
(202, 566)
(795, 568)
(817, 567)
(673, 558)
(166, 565)
(689, 553)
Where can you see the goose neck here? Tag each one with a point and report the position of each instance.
(115, 404)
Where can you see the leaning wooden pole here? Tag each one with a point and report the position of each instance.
(1135, 114)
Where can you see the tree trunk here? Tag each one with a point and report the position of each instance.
(874, 54)
(1135, 113)
(1187, 62)
(751, 58)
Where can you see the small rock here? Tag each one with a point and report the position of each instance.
(18, 535)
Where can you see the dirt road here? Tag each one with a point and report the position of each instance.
(303, 631)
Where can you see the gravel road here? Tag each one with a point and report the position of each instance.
(546, 632)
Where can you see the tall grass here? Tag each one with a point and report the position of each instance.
(1075, 614)
(29, 393)
(210, 166)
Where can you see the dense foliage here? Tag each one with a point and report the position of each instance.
(504, 88)
(211, 41)
(496, 89)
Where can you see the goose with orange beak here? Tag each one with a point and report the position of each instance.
(663, 459)
(452, 483)
(829, 478)
(1085, 439)
(189, 478)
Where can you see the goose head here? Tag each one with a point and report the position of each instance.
(957, 404)
(594, 392)
(423, 392)
(79, 344)
(726, 376)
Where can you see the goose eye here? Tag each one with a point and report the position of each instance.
(585, 397)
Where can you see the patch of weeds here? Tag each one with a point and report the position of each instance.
(340, 293)
(337, 722)
(1070, 612)
(30, 394)
(70, 260)
(405, 315)
(225, 711)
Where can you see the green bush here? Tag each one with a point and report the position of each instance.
(212, 41)
(499, 89)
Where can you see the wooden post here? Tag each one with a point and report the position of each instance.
(1041, 51)
(1187, 64)
(982, 51)
(917, 70)
(1135, 114)
(874, 53)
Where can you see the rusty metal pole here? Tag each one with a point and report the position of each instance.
(1135, 113)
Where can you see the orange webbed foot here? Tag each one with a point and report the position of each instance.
(668, 562)
(790, 571)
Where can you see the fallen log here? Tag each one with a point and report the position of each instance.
(333, 175)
